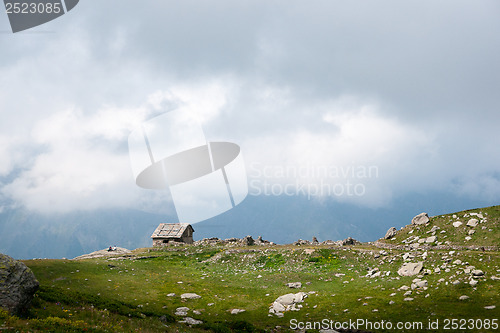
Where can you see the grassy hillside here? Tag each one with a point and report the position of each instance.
(485, 234)
(135, 293)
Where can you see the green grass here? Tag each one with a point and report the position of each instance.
(130, 295)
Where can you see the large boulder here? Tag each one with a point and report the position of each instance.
(17, 285)
(390, 233)
(410, 268)
(422, 218)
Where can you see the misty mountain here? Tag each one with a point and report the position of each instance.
(25, 234)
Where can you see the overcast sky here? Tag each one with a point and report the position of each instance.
(410, 87)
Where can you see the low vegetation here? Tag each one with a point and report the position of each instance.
(142, 292)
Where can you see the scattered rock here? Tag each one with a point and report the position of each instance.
(190, 296)
(473, 282)
(17, 285)
(390, 233)
(288, 302)
(350, 241)
(463, 297)
(431, 239)
(477, 272)
(181, 311)
(457, 224)
(408, 299)
(191, 321)
(236, 311)
(248, 240)
(422, 218)
(472, 223)
(410, 269)
(490, 307)
(419, 284)
(294, 285)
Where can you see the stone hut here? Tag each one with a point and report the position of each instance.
(172, 232)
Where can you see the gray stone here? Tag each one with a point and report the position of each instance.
(248, 240)
(181, 311)
(463, 297)
(457, 224)
(410, 269)
(190, 296)
(18, 284)
(390, 233)
(191, 321)
(422, 218)
(472, 223)
(477, 272)
(278, 307)
(294, 285)
(287, 299)
(490, 307)
(431, 239)
(236, 311)
(419, 284)
(287, 302)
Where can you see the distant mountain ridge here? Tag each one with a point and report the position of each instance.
(25, 235)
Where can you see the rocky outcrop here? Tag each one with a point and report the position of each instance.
(104, 253)
(248, 240)
(422, 218)
(17, 285)
(390, 233)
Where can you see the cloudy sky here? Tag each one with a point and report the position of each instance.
(409, 88)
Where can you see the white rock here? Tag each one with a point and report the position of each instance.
(463, 297)
(408, 299)
(190, 296)
(294, 285)
(473, 282)
(236, 311)
(457, 224)
(278, 307)
(431, 239)
(477, 272)
(191, 321)
(410, 269)
(422, 218)
(472, 223)
(490, 307)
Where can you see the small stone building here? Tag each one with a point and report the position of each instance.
(172, 232)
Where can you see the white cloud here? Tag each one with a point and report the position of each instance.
(81, 160)
(359, 146)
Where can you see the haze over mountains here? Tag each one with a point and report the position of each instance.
(25, 234)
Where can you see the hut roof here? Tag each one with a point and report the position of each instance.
(170, 230)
